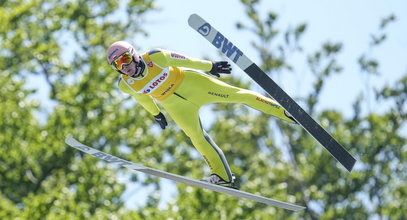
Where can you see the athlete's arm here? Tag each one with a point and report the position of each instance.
(146, 101)
(166, 58)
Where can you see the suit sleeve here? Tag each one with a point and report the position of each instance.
(146, 101)
(169, 58)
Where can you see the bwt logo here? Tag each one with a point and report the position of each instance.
(227, 47)
(205, 29)
(111, 159)
(221, 42)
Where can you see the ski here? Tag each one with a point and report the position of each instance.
(177, 178)
(262, 79)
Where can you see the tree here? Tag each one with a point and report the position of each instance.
(283, 162)
(64, 43)
(375, 138)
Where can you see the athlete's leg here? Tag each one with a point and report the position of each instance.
(186, 115)
(202, 89)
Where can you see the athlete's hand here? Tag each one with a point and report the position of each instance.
(220, 67)
(160, 118)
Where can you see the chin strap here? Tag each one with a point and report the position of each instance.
(140, 68)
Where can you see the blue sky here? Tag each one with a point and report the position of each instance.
(349, 22)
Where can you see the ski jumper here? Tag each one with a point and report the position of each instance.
(183, 92)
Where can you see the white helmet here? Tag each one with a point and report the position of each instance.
(119, 49)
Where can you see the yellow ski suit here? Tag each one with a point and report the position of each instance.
(182, 92)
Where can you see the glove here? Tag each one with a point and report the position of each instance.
(160, 118)
(220, 67)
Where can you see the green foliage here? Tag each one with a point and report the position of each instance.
(322, 64)
(64, 43)
(298, 169)
(266, 32)
(376, 187)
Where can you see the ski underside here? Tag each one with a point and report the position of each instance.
(177, 178)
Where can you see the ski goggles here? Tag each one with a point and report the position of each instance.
(123, 59)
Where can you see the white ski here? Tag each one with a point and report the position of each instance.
(134, 166)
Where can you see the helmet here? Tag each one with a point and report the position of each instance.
(120, 47)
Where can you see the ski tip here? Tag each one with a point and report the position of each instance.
(193, 18)
(71, 141)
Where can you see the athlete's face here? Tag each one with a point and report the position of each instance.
(130, 69)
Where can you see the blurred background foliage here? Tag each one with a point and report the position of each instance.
(42, 178)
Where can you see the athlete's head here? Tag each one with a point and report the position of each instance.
(123, 58)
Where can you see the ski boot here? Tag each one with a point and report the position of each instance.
(215, 179)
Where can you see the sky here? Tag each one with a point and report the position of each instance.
(349, 22)
(346, 21)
